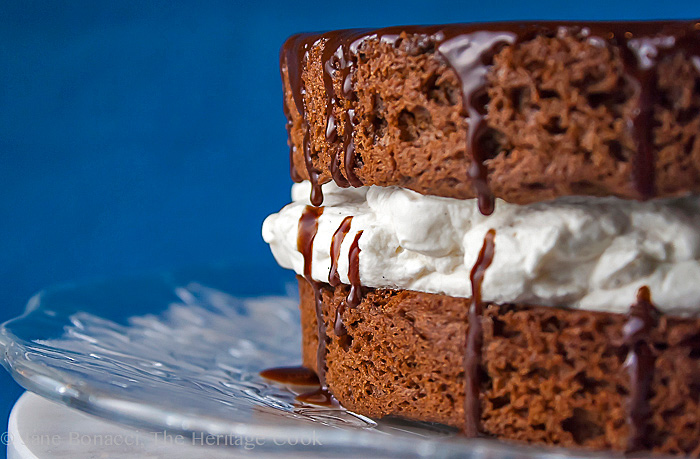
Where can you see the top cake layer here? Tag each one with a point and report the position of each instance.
(525, 112)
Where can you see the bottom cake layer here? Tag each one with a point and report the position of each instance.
(548, 376)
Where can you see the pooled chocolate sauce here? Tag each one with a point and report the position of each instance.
(642, 318)
(301, 376)
(472, 361)
(320, 396)
(295, 376)
(355, 295)
(469, 49)
(308, 226)
(336, 242)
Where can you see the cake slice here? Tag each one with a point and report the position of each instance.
(548, 110)
(509, 240)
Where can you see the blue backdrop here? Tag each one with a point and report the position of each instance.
(142, 135)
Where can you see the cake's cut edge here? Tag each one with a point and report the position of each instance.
(571, 109)
(550, 376)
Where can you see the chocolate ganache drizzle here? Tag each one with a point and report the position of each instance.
(336, 242)
(296, 178)
(472, 360)
(354, 297)
(641, 52)
(469, 50)
(308, 226)
(295, 56)
(642, 318)
(468, 55)
(301, 376)
(340, 58)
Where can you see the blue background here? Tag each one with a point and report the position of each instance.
(145, 136)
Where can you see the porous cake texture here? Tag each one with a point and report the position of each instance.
(558, 105)
(550, 376)
(532, 113)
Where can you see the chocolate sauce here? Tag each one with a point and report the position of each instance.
(301, 376)
(336, 242)
(349, 148)
(316, 192)
(469, 49)
(355, 295)
(308, 226)
(642, 318)
(469, 55)
(640, 56)
(296, 178)
(320, 396)
(472, 361)
(307, 229)
(339, 60)
(295, 56)
(294, 376)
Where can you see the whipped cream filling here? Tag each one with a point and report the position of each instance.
(575, 252)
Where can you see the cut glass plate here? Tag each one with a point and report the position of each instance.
(182, 351)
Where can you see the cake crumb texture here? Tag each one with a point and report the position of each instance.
(550, 376)
(559, 107)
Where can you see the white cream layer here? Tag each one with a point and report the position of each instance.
(578, 252)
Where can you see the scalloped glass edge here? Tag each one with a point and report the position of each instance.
(49, 350)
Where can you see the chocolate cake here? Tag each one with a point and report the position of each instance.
(550, 375)
(496, 227)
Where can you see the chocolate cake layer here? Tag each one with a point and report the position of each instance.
(548, 375)
(528, 113)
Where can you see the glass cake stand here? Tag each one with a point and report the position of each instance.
(182, 351)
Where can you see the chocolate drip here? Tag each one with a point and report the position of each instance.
(316, 191)
(285, 109)
(469, 50)
(641, 123)
(339, 59)
(336, 242)
(308, 226)
(355, 295)
(333, 60)
(296, 52)
(642, 318)
(349, 148)
(470, 56)
(640, 57)
(307, 229)
(472, 361)
(293, 173)
(295, 376)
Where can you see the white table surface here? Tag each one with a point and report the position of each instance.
(39, 428)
